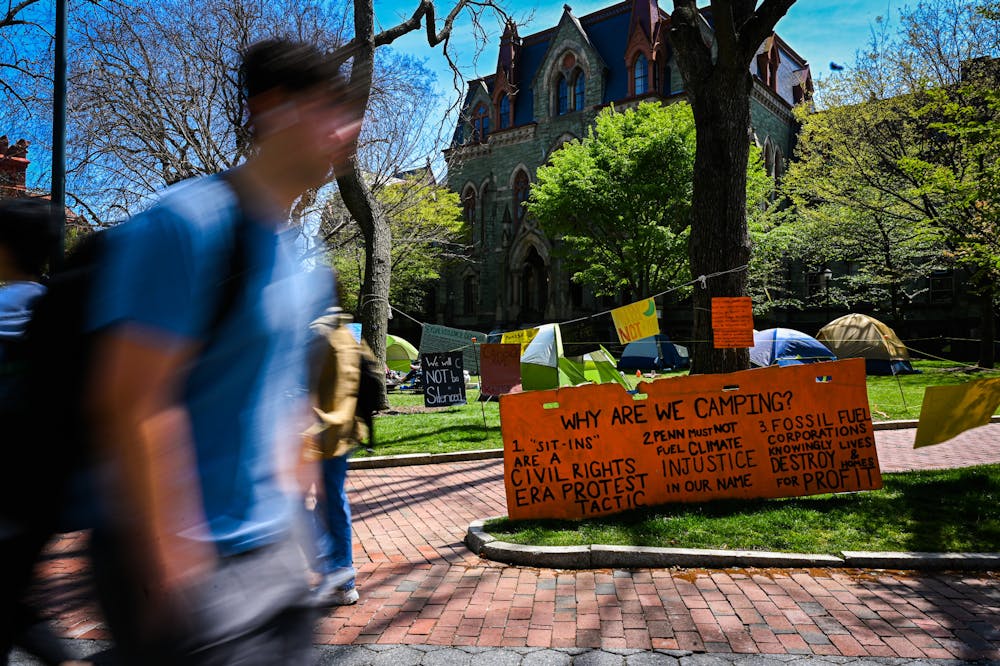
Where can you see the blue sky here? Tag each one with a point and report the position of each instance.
(820, 30)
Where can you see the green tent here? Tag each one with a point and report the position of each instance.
(399, 353)
(543, 365)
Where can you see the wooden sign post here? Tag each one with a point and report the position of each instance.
(773, 432)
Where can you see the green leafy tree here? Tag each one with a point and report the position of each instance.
(426, 224)
(905, 158)
(850, 206)
(620, 200)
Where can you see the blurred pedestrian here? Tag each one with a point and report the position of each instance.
(335, 383)
(203, 309)
(32, 483)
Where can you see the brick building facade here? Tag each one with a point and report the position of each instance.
(547, 89)
(13, 168)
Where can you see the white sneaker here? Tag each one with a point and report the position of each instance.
(340, 597)
(336, 589)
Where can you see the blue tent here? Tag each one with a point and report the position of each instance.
(653, 353)
(785, 346)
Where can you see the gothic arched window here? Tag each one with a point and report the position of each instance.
(640, 74)
(480, 124)
(579, 90)
(521, 186)
(504, 111)
(562, 95)
(470, 295)
(469, 207)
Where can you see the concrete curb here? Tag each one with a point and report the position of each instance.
(953, 561)
(645, 557)
(379, 462)
(406, 459)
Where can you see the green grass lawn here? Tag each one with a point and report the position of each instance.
(900, 397)
(938, 511)
(408, 427)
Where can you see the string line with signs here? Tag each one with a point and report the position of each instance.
(701, 280)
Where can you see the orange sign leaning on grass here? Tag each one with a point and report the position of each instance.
(773, 432)
(732, 322)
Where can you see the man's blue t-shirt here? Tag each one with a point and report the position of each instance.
(162, 276)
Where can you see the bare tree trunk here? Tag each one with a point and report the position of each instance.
(373, 306)
(718, 83)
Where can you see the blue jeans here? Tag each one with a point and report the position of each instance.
(332, 518)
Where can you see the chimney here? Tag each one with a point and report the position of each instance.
(510, 50)
(13, 168)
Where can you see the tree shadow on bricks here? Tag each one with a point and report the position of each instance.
(382, 491)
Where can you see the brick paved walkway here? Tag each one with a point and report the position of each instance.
(419, 584)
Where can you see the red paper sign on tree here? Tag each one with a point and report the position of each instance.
(732, 322)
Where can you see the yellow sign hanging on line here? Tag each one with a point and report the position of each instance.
(636, 320)
(522, 337)
(948, 411)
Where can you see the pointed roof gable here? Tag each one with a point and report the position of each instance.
(645, 14)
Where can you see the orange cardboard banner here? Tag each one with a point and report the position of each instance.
(732, 322)
(774, 432)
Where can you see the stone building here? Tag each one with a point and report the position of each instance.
(547, 89)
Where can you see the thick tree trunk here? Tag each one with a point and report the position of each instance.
(987, 329)
(373, 307)
(719, 240)
(718, 84)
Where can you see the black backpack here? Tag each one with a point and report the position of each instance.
(58, 354)
(50, 438)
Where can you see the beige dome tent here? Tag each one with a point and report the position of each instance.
(860, 336)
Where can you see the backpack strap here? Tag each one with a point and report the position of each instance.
(237, 265)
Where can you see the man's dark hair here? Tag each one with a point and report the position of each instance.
(292, 66)
(28, 229)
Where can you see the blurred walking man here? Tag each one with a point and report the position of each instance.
(203, 313)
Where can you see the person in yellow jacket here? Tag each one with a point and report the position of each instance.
(336, 366)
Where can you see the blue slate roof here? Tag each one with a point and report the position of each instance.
(609, 36)
(608, 32)
(530, 59)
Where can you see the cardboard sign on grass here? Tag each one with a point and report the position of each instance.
(773, 432)
(501, 368)
(732, 322)
(444, 379)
